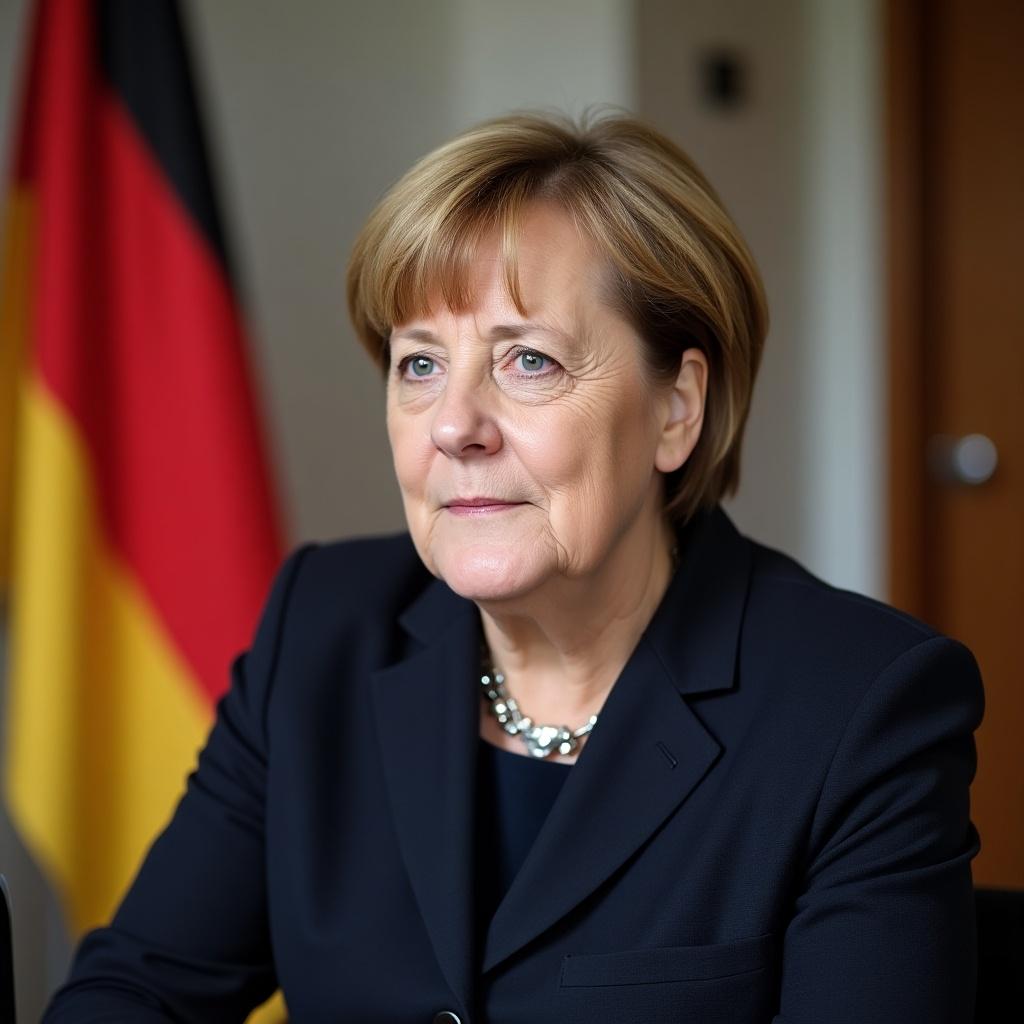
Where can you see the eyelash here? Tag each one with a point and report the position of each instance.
(515, 354)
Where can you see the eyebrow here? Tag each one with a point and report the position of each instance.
(499, 332)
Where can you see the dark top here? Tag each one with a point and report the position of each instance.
(514, 794)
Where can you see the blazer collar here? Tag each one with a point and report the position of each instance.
(640, 762)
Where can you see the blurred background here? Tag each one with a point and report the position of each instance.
(860, 145)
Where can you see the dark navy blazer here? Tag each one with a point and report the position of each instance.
(770, 821)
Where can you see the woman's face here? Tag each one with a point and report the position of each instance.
(556, 421)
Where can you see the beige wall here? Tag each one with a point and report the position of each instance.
(797, 166)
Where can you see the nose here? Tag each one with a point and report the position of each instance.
(463, 424)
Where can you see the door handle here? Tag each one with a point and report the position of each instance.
(969, 460)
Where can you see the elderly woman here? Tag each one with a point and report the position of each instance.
(572, 748)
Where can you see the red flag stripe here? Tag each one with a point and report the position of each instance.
(137, 334)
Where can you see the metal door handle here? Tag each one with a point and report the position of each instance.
(969, 460)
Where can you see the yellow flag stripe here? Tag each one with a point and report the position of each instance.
(103, 719)
(15, 257)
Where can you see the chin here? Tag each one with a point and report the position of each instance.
(487, 574)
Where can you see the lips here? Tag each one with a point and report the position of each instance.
(480, 508)
(477, 502)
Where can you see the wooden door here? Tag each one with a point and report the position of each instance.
(955, 175)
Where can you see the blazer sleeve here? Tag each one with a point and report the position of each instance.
(883, 929)
(190, 939)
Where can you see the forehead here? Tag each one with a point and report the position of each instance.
(559, 274)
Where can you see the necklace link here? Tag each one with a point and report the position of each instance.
(540, 740)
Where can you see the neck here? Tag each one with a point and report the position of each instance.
(562, 649)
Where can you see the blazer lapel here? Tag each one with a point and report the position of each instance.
(428, 723)
(644, 757)
(648, 750)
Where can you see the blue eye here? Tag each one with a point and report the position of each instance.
(421, 366)
(533, 361)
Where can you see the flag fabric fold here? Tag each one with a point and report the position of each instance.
(139, 525)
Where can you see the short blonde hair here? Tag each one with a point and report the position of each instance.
(678, 269)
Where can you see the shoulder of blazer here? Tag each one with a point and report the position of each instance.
(344, 580)
(783, 570)
(822, 626)
(814, 653)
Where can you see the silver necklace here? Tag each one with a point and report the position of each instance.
(541, 740)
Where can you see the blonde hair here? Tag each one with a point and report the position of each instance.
(678, 269)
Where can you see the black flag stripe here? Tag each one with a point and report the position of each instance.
(145, 61)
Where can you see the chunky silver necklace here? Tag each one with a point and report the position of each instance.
(541, 740)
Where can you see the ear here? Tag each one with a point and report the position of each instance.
(683, 412)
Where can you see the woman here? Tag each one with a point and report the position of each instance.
(572, 748)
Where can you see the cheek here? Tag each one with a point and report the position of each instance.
(602, 465)
(573, 453)
(552, 446)
(408, 453)
(590, 439)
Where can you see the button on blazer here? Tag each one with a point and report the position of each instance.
(770, 821)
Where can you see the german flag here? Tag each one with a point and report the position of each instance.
(139, 530)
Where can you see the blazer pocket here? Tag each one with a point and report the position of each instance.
(667, 963)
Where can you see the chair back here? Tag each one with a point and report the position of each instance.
(6, 956)
(1000, 915)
